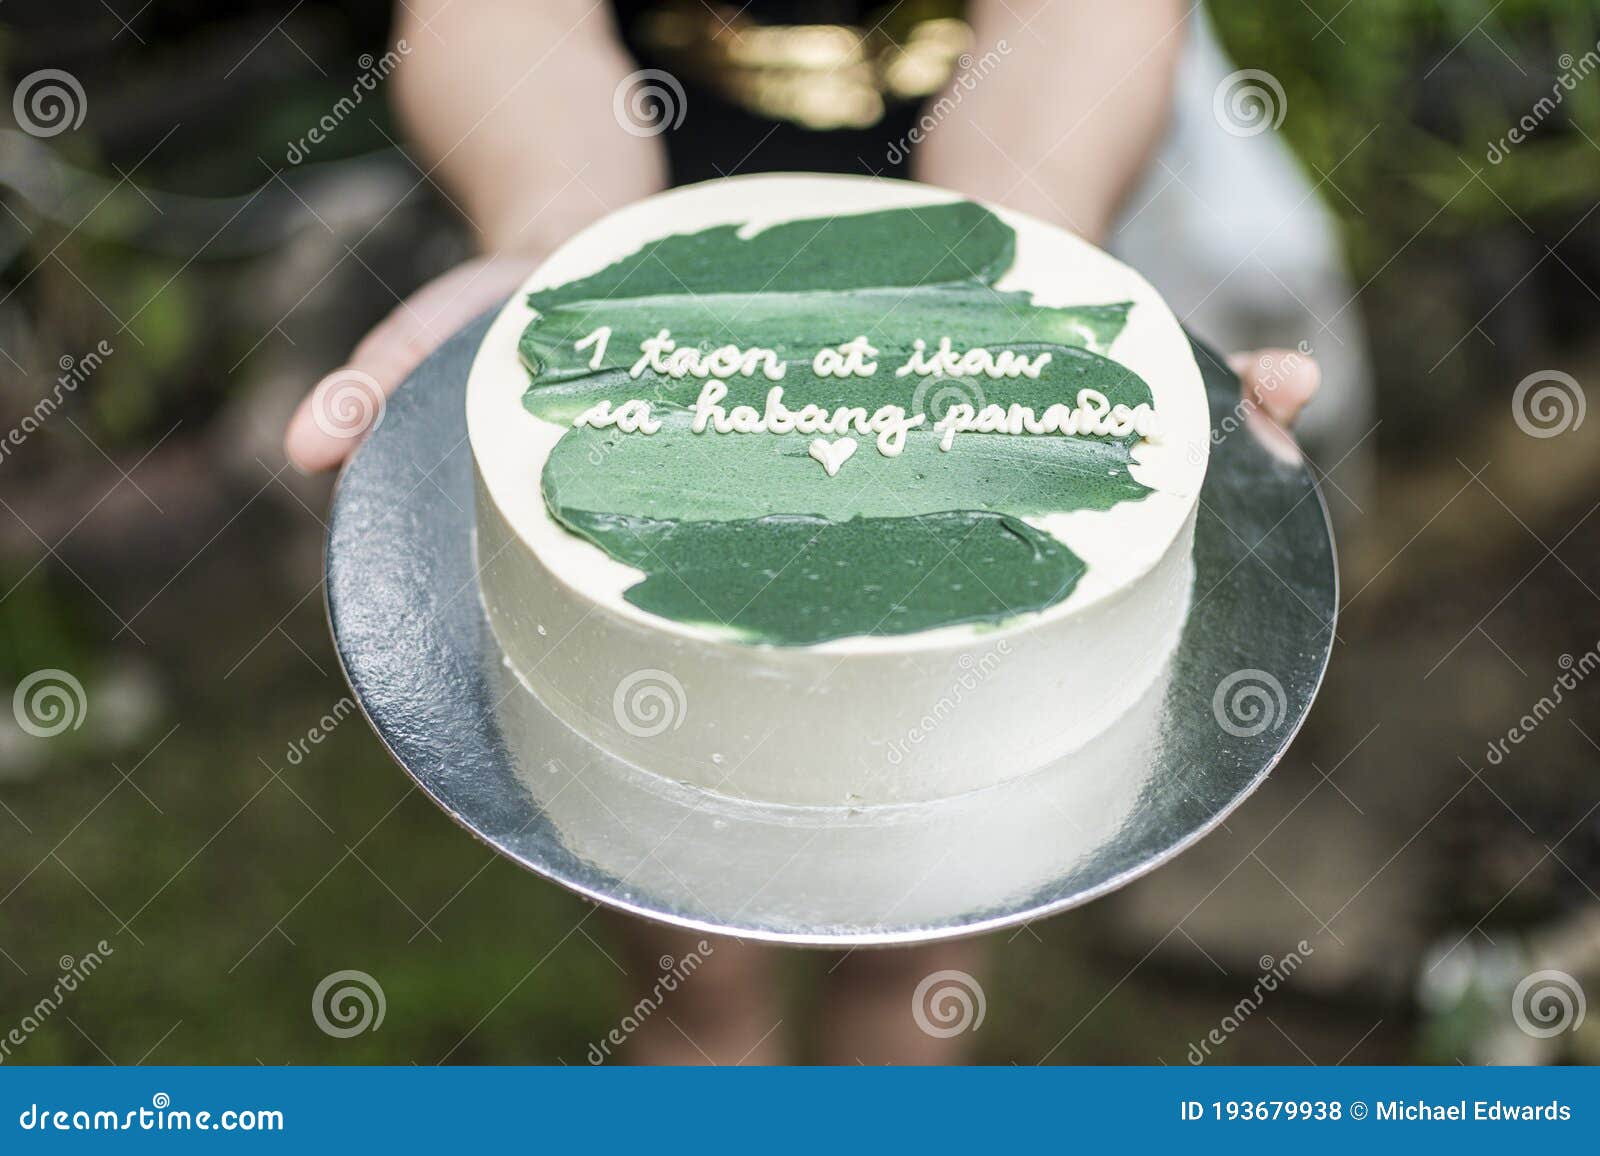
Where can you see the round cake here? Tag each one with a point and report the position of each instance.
(835, 491)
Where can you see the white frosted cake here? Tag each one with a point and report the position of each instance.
(835, 491)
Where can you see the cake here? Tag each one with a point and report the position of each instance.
(835, 491)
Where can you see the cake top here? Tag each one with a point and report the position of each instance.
(796, 410)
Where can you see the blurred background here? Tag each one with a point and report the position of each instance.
(1406, 186)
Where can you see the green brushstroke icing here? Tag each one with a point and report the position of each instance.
(562, 399)
(926, 246)
(796, 325)
(680, 475)
(802, 580)
(746, 531)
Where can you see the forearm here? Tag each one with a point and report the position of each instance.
(1065, 118)
(509, 103)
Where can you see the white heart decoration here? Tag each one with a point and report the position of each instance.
(832, 455)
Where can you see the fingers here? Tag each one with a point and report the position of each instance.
(1280, 381)
(349, 402)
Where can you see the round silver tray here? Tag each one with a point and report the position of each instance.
(410, 632)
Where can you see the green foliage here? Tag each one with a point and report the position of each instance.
(1397, 104)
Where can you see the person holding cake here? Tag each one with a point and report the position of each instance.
(523, 113)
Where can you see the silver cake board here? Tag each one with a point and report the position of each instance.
(410, 631)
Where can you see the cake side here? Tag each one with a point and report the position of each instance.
(807, 726)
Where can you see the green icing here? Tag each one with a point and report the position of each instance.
(803, 580)
(676, 474)
(562, 399)
(746, 531)
(926, 246)
(796, 325)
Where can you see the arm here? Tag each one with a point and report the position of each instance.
(512, 101)
(510, 105)
(1063, 123)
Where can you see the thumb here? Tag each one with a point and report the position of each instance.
(348, 403)
(1280, 381)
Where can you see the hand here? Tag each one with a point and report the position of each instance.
(1278, 381)
(1277, 384)
(346, 404)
